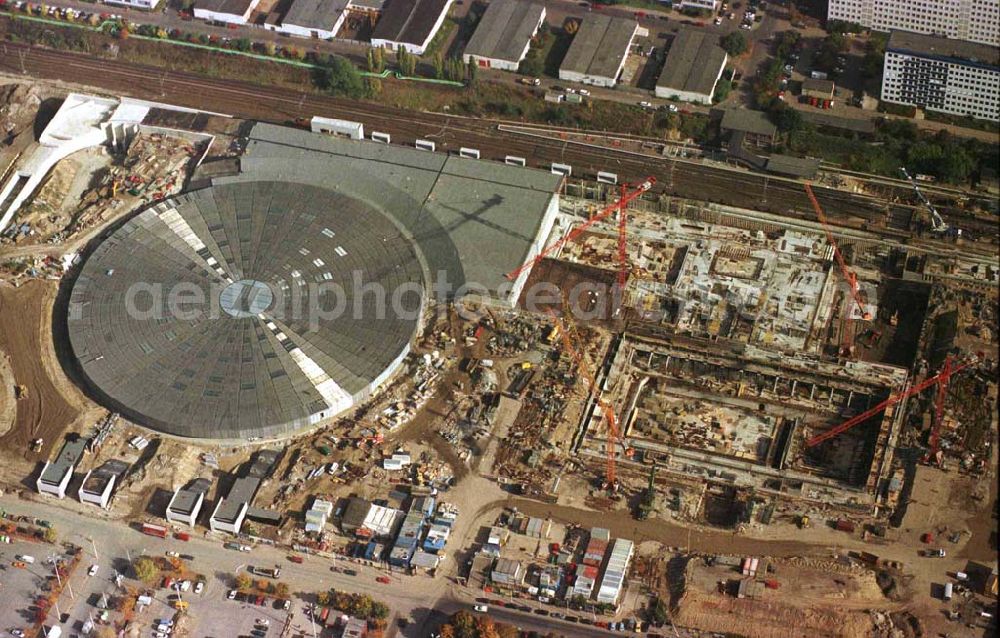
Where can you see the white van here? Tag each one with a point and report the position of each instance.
(24, 558)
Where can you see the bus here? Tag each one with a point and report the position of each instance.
(154, 530)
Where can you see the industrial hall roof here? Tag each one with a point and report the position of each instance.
(599, 46)
(505, 30)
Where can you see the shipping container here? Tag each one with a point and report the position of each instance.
(154, 530)
(948, 589)
(182, 536)
(844, 525)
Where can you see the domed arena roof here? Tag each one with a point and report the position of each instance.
(246, 309)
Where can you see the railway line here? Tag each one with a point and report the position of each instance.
(676, 177)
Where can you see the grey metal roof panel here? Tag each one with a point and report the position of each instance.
(69, 455)
(314, 14)
(505, 30)
(755, 122)
(408, 21)
(242, 493)
(600, 45)
(693, 62)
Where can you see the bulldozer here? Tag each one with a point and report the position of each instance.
(20, 392)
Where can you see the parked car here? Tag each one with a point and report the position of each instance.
(199, 587)
(383, 579)
(232, 594)
(481, 608)
(93, 570)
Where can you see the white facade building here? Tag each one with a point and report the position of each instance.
(973, 20)
(230, 11)
(135, 4)
(409, 24)
(616, 571)
(939, 74)
(186, 503)
(599, 49)
(56, 475)
(707, 5)
(320, 19)
(503, 35)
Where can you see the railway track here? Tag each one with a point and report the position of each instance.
(283, 105)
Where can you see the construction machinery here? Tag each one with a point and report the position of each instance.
(614, 436)
(20, 392)
(627, 196)
(848, 275)
(938, 224)
(947, 371)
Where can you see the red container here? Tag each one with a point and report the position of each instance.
(844, 525)
(182, 536)
(772, 584)
(927, 538)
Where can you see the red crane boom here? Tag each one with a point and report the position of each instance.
(849, 277)
(942, 392)
(609, 413)
(941, 377)
(623, 201)
(622, 250)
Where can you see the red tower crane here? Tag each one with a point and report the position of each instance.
(849, 277)
(942, 392)
(609, 414)
(626, 198)
(622, 250)
(940, 379)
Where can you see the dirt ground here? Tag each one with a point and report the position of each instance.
(52, 403)
(7, 397)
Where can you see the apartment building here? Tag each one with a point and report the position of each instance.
(973, 20)
(940, 74)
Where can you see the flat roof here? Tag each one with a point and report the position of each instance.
(693, 62)
(472, 220)
(505, 29)
(186, 498)
(98, 480)
(748, 121)
(947, 49)
(314, 14)
(409, 21)
(241, 493)
(232, 7)
(795, 166)
(69, 455)
(599, 46)
(820, 86)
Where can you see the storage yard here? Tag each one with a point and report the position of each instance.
(550, 438)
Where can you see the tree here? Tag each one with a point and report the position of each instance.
(337, 76)
(380, 611)
(471, 71)
(407, 61)
(243, 581)
(281, 590)
(658, 612)
(270, 48)
(323, 598)
(49, 535)
(145, 569)
(379, 60)
(735, 43)
(438, 61)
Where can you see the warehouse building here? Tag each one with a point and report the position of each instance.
(312, 19)
(613, 581)
(599, 49)
(744, 126)
(410, 24)
(819, 89)
(692, 69)
(236, 507)
(56, 475)
(503, 35)
(186, 503)
(98, 485)
(229, 11)
(944, 75)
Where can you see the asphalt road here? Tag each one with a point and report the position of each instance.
(424, 601)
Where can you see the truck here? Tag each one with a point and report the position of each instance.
(530, 81)
(817, 75)
(24, 558)
(948, 589)
(158, 531)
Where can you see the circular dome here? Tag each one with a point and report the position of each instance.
(245, 309)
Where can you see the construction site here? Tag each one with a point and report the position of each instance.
(627, 358)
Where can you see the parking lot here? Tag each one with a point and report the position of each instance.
(20, 586)
(217, 617)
